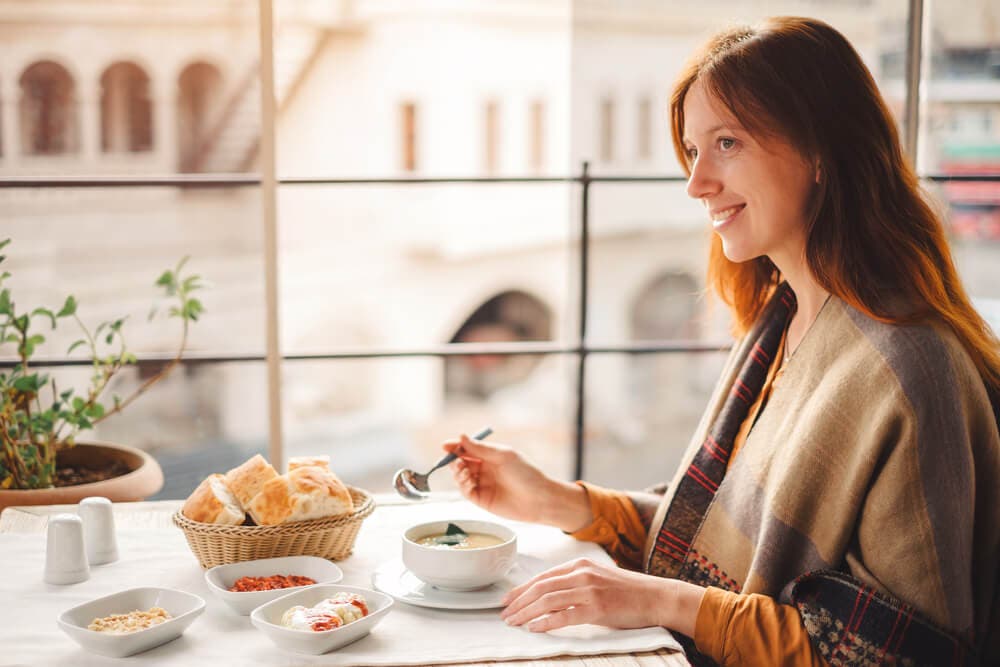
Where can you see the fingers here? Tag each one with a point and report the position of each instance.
(559, 619)
(561, 569)
(548, 603)
(474, 449)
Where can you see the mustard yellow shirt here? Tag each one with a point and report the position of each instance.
(731, 628)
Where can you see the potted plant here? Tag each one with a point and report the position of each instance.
(41, 461)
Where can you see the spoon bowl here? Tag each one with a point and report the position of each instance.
(415, 485)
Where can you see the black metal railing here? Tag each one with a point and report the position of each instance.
(578, 347)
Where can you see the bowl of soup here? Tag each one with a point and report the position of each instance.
(459, 555)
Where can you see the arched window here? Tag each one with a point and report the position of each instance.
(48, 110)
(199, 97)
(507, 317)
(666, 308)
(126, 111)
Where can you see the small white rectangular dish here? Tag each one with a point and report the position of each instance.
(183, 608)
(267, 619)
(221, 578)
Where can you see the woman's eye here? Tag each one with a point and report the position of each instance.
(727, 144)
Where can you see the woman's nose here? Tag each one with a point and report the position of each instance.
(702, 182)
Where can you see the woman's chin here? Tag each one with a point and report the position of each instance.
(735, 253)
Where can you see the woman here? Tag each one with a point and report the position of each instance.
(840, 500)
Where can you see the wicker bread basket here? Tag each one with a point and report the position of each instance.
(330, 538)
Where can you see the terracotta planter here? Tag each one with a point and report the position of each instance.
(145, 478)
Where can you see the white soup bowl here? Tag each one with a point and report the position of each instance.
(459, 569)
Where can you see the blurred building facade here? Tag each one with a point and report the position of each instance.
(416, 89)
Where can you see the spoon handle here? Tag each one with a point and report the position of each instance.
(451, 456)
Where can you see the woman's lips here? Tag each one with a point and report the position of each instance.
(730, 214)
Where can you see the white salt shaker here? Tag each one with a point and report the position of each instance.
(98, 530)
(65, 555)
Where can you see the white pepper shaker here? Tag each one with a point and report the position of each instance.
(65, 556)
(98, 530)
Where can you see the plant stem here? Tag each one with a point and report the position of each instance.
(167, 367)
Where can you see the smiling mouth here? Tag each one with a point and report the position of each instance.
(722, 218)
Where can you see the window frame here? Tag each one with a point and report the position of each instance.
(268, 182)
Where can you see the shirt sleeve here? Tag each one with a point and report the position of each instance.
(616, 527)
(751, 629)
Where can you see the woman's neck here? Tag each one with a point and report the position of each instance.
(809, 297)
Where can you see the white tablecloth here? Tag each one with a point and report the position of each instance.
(409, 635)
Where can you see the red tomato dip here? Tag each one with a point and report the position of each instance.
(273, 582)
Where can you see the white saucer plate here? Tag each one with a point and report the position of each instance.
(394, 579)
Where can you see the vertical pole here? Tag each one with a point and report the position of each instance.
(269, 186)
(581, 340)
(914, 49)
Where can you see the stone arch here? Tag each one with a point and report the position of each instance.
(198, 100)
(508, 316)
(126, 109)
(665, 307)
(48, 110)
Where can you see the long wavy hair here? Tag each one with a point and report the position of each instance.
(872, 239)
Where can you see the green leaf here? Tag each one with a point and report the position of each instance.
(166, 279)
(76, 344)
(21, 323)
(47, 313)
(64, 395)
(69, 308)
(455, 530)
(117, 324)
(27, 348)
(110, 337)
(3, 244)
(192, 309)
(12, 338)
(6, 306)
(30, 383)
(129, 358)
(191, 284)
(95, 411)
(78, 403)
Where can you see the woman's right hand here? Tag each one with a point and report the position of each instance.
(500, 480)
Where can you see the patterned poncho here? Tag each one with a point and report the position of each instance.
(867, 493)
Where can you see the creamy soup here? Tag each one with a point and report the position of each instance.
(460, 541)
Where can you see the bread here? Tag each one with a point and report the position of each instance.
(304, 493)
(246, 480)
(323, 461)
(212, 502)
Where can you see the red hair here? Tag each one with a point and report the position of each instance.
(872, 239)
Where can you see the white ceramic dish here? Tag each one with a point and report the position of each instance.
(394, 579)
(221, 577)
(183, 607)
(459, 569)
(267, 619)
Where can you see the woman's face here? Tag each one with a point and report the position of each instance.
(756, 193)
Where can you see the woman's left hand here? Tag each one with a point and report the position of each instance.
(582, 591)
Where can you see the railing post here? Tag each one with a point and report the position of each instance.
(582, 338)
(269, 190)
(914, 51)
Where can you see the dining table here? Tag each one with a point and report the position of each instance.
(22, 531)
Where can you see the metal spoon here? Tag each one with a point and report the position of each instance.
(413, 485)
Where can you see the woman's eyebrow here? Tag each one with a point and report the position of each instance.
(713, 130)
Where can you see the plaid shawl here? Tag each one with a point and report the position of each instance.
(867, 494)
